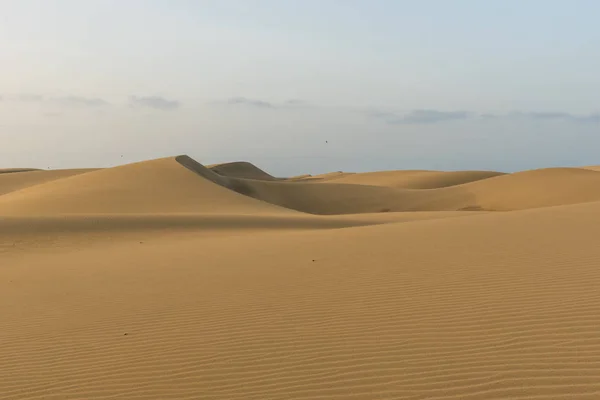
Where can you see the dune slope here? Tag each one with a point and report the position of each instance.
(182, 185)
(167, 279)
(492, 306)
(163, 185)
(592, 167)
(417, 179)
(16, 180)
(496, 192)
(241, 169)
(536, 188)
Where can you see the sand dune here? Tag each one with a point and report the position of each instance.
(497, 192)
(10, 170)
(167, 280)
(162, 185)
(537, 188)
(241, 170)
(16, 180)
(324, 177)
(592, 167)
(416, 179)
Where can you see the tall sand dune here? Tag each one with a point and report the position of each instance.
(162, 185)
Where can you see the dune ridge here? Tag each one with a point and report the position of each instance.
(241, 169)
(16, 180)
(161, 185)
(496, 192)
(10, 170)
(416, 179)
(130, 188)
(164, 279)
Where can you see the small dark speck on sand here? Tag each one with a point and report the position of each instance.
(125, 334)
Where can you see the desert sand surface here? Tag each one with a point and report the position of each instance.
(167, 279)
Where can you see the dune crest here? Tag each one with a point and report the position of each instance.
(592, 167)
(11, 170)
(17, 180)
(417, 179)
(241, 169)
(162, 185)
(485, 191)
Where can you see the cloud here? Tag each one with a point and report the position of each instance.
(549, 115)
(156, 102)
(295, 103)
(590, 118)
(262, 104)
(432, 116)
(425, 116)
(77, 101)
(249, 102)
(558, 116)
(72, 101)
(419, 116)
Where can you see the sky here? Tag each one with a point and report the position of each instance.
(301, 86)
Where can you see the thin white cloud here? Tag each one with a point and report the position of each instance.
(437, 116)
(558, 116)
(155, 102)
(76, 101)
(241, 101)
(249, 102)
(419, 116)
(72, 101)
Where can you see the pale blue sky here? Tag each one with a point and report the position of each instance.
(447, 84)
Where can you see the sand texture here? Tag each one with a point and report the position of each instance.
(166, 279)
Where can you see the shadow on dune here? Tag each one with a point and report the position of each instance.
(397, 191)
(163, 186)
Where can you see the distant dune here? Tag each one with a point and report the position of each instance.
(16, 180)
(167, 279)
(429, 191)
(9, 170)
(241, 170)
(416, 179)
(165, 186)
(592, 167)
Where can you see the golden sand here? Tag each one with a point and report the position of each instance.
(166, 279)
